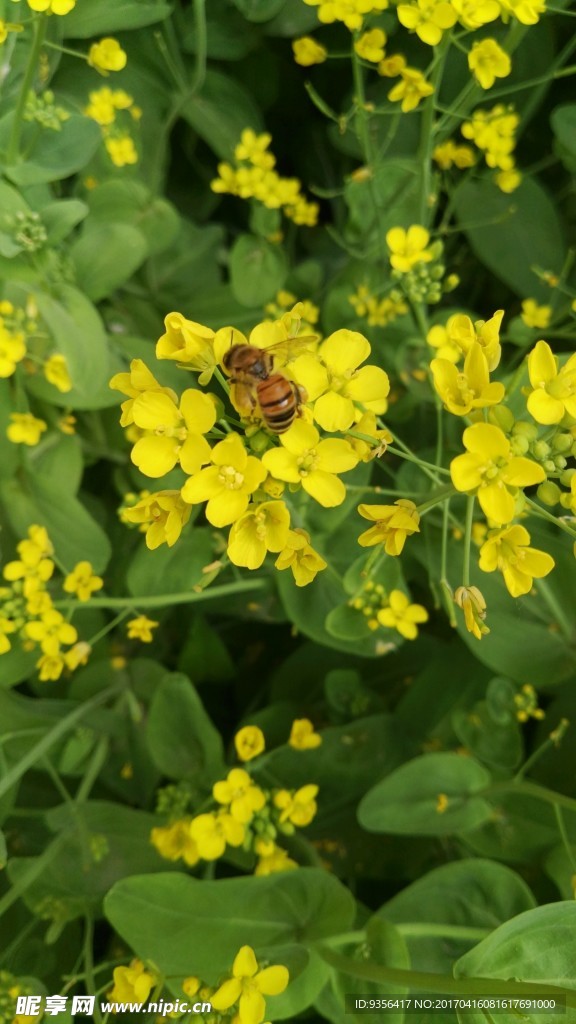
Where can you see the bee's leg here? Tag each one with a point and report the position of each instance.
(301, 396)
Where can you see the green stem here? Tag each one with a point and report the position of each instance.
(559, 615)
(444, 584)
(468, 540)
(111, 625)
(565, 838)
(201, 39)
(445, 492)
(532, 789)
(426, 467)
(427, 134)
(89, 964)
(365, 140)
(552, 741)
(167, 600)
(13, 149)
(430, 982)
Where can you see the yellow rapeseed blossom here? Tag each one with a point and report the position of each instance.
(378, 312)
(525, 11)
(509, 552)
(261, 529)
(305, 459)
(490, 470)
(300, 557)
(162, 515)
(213, 832)
(175, 842)
(402, 616)
(411, 88)
(488, 61)
(439, 339)
(297, 808)
(227, 484)
(408, 247)
(121, 150)
(239, 794)
(249, 742)
(554, 390)
(272, 858)
(494, 132)
(107, 55)
(472, 14)
(508, 181)
(370, 45)
(174, 433)
(302, 735)
(307, 51)
(428, 18)
(527, 704)
(248, 986)
(469, 387)
(50, 631)
(534, 315)
(351, 12)
(131, 984)
(449, 154)
(141, 628)
(25, 428)
(52, 6)
(392, 525)
(471, 601)
(463, 333)
(82, 582)
(12, 351)
(56, 372)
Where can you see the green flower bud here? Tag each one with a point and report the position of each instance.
(562, 442)
(529, 430)
(560, 462)
(541, 450)
(566, 477)
(549, 465)
(549, 493)
(501, 417)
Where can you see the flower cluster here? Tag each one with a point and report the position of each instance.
(24, 344)
(493, 132)
(246, 815)
(416, 263)
(377, 312)
(27, 610)
(249, 480)
(350, 12)
(392, 610)
(254, 177)
(108, 107)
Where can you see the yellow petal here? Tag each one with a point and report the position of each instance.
(273, 980)
(327, 489)
(521, 472)
(336, 456)
(307, 370)
(153, 409)
(542, 365)
(465, 472)
(300, 438)
(497, 503)
(486, 440)
(228, 993)
(334, 412)
(155, 456)
(282, 465)
(543, 408)
(226, 507)
(198, 410)
(344, 350)
(245, 964)
(369, 384)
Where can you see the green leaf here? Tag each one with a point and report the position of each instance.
(107, 16)
(259, 10)
(60, 218)
(106, 256)
(171, 570)
(129, 202)
(409, 801)
(383, 945)
(563, 121)
(56, 155)
(204, 655)
(185, 925)
(517, 232)
(78, 333)
(182, 740)
(472, 894)
(538, 946)
(75, 534)
(258, 270)
(220, 113)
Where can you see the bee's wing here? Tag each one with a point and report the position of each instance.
(290, 348)
(242, 397)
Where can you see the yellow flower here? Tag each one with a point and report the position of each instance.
(393, 523)
(227, 484)
(163, 515)
(50, 667)
(475, 13)
(56, 373)
(448, 154)
(25, 428)
(527, 705)
(300, 557)
(212, 832)
(508, 551)
(339, 384)
(137, 382)
(12, 351)
(463, 333)
(174, 433)
(261, 529)
(307, 51)
(249, 742)
(490, 470)
(493, 131)
(408, 247)
(439, 339)
(101, 107)
(392, 66)
(190, 343)
(272, 858)
(526, 11)
(52, 6)
(107, 55)
(239, 795)
(411, 88)
(121, 150)
(370, 45)
(141, 628)
(51, 631)
(6, 627)
(190, 986)
(534, 315)
(254, 148)
(402, 616)
(508, 181)
(304, 459)
(297, 808)
(428, 18)
(131, 984)
(488, 61)
(82, 581)
(382, 438)
(554, 391)
(175, 842)
(302, 735)
(248, 986)
(77, 655)
(351, 12)
(471, 601)
(468, 388)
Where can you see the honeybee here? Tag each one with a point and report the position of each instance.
(255, 384)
